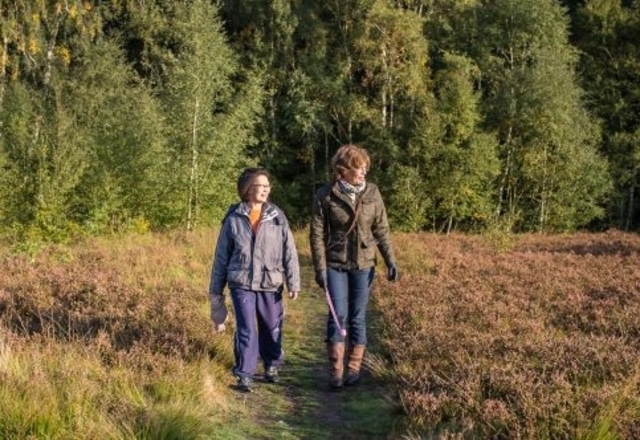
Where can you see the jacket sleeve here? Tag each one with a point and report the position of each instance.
(291, 263)
(317, 234)
(381, 232)
(222, 255)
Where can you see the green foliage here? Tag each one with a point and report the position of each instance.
(409, 191)
(623, 151)
(288, 45)
(45, 158)
(548, 141)
(68, 143)
(90, 141)
(465, 163)
(122, 180)
(605, 33)
(139, 115)
(209, 118)
(18, 203)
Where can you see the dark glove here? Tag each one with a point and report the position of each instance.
(218, 310)
(321, 279)
(392, 273)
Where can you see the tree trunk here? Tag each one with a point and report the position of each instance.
(192, 205)
(4, 59)
(632, 192)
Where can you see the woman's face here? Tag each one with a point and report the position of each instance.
(355, 176)
(260, 189)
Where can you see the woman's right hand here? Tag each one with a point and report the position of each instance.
(321, 279)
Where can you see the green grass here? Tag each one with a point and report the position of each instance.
(112, 340)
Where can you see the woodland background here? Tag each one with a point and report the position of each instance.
(516, 115)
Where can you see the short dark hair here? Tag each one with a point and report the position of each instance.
(247, 178)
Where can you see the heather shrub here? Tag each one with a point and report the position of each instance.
(111, 339)
(537, 341)
(123, 300)
(532, 340)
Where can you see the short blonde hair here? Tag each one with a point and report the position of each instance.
(349, 157)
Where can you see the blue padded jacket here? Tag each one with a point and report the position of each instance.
(264, 261)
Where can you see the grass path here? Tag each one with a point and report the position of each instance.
(301, 405)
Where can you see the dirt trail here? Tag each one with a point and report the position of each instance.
(302, 406)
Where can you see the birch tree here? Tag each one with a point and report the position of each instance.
(210, 118)
(552, 175)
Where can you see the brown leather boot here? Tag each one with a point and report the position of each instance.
(356, 354)
(335, 353)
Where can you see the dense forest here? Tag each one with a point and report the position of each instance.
(121, 115)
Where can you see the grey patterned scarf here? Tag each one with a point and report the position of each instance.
(349, 189)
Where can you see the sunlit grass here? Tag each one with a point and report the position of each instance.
(111, 339)
(65, 391)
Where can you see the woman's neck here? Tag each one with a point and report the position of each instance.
(254, 205)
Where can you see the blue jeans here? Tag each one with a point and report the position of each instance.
(259, 319)
(349, 291)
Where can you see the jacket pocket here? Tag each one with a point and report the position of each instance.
(237, 277)
(368, 251)
(272, 278)
(337, 250)
(368, 212)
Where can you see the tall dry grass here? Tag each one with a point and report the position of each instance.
(111, 339)
(540, 340)
(535, 339)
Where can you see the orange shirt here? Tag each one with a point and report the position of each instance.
(254, 218)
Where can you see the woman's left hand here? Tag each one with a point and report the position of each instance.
(392, 273)
(293, 295)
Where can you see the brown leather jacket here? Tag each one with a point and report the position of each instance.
(337, 242)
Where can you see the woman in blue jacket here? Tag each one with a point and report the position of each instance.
(255, 257)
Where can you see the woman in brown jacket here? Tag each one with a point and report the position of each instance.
(349, 223)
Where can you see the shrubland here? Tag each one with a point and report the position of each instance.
(535, 339)
(519, 336)
(111, 339)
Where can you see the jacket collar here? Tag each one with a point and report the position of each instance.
(335, 189)
(269, 211)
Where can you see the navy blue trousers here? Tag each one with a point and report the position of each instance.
(259, 318)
